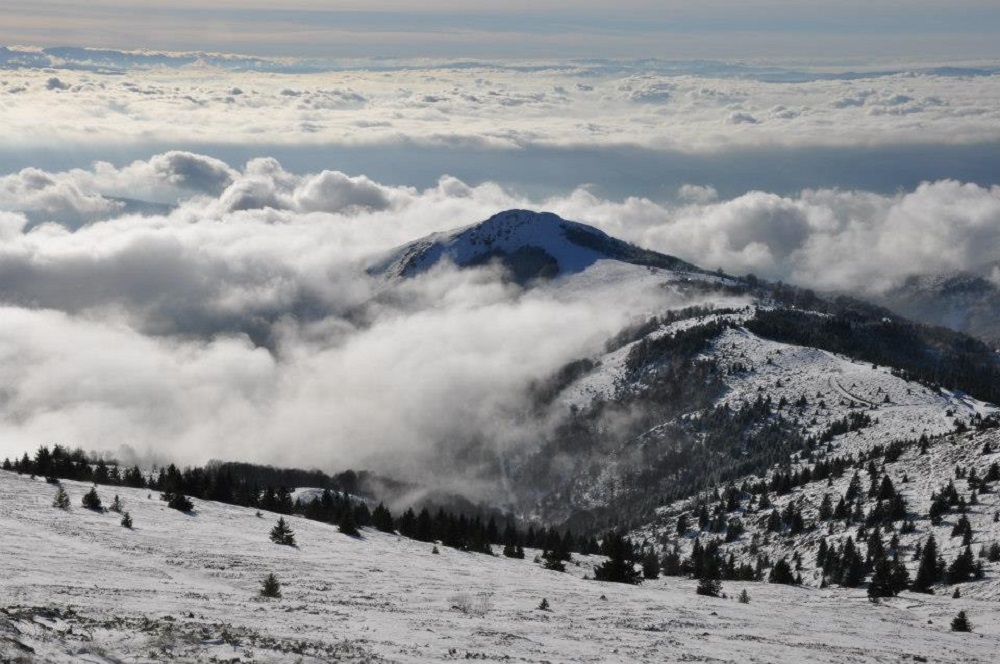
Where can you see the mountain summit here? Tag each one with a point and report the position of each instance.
(532, 245)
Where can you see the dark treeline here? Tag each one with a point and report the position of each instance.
(271, 489)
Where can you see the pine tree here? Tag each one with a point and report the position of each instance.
(543, 605)
(126, 520)
(382, 519)
(900, 577)
(348, 525)
(744, 597)
(650, 565)
(553, 561)
(962, 567)
(91, 500)
(781, 573)
(852, 566)
(116, 505)
(960, 623)
(282, 533)
(927, 572)
(270, 587)
(620, 566)
(61, 500)
(709, 587)
(881, 584)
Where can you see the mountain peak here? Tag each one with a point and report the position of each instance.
(531, 245)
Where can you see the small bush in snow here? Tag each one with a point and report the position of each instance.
(709, 587)
(61, 500)
(178, 501)
(744, 597)
(543, 605)
(477, 606)
(127, 520)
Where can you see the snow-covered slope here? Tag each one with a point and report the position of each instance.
(530, 244)
(77, 587)
(915, 474)
(832, 386)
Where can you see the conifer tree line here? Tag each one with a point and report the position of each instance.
(237, 484)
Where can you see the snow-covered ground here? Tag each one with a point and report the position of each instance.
(916, 476)
(834, 386)
(77, 587)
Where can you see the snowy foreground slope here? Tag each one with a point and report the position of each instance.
(77, 587)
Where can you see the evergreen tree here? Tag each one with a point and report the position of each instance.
(900, 576)
(270, 587)
(178, 501)
(962, 567)
(620, 566)
(553, 561)
(852, 566)
(282, 533)
(781, 573)
(116, 505)
(927, 572)
(881, 584)
(650, 565)
(960, 623)
(744, 597)
(91, 500)
(126, 520)
(348, 525)
(61, 500)
(709, 587)
(382, 519)
(826, 508)
(670, 564)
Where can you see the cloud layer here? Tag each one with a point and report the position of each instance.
(231, 317)
(664, 107)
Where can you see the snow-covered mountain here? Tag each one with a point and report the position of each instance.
(727, 412)
(530, 244)
(728, 375)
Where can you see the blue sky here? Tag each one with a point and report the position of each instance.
(447, 28)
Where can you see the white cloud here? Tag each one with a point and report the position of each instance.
(697, 193)
(240, 324)
(493, 105)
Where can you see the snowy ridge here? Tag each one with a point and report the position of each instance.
(78, 587)
(605, 381)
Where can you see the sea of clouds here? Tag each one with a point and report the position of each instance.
(191, 307)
